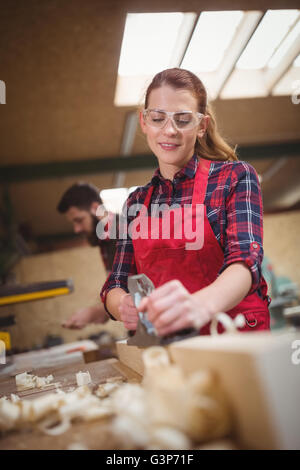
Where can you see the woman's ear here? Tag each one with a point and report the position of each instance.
(142, 122)
(203, 126)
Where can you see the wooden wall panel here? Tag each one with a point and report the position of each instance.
(35, 320)
(281, 244)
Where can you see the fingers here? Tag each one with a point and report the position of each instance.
(174, 318)
(163, 298)
(180, 323)
(143, 306)
(171, 308)
(128, 312)
(72, 325)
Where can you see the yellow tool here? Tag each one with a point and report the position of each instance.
(12, 294)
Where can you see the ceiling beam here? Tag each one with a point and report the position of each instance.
(39, 171)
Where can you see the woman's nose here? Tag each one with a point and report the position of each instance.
(169, 127)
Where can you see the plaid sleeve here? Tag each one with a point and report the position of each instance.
(124, 262)
(244, 231)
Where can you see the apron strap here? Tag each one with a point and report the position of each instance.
(200, 183)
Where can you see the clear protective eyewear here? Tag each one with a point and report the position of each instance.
(181, 120)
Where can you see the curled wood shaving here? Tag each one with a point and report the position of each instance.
(27, 381)
(167, 411)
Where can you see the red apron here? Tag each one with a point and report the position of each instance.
(164, 259)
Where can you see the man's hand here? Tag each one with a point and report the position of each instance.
(85, 316)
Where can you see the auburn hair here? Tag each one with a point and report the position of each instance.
(211, 146)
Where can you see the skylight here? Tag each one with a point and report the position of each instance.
(285, 45)
(297, 61)
(206, 49)
(267, 37)
(235, 53)
(151, 42)
(148, 42)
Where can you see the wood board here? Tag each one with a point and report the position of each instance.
(259, 378)
(131, 356)
(90, 435)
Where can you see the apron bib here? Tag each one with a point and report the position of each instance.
(161, 252)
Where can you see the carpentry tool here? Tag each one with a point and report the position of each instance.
(12, 294)
(141, 286)
(16, 293)
(292, 316)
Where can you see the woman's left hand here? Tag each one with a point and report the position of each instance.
(171, 308)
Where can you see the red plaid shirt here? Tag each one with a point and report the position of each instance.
(234, 210)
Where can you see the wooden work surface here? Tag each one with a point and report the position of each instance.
(90, 435)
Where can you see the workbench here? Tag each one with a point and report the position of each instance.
(89, 435)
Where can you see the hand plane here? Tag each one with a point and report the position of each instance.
(140, 286)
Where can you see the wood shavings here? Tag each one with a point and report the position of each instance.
(104, 390)
(230, 325)
(168, 438)
(130, 432)
(50, 426)
(118, 379)
(195, 405)
(27, 381)
(14, 398)
(9, 414)
(53, 413)
(83, 378)
(111, 385)
(77, 446)
(169, 410)
(155, 356)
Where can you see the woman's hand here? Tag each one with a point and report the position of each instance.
(128, 312)
(172, 308)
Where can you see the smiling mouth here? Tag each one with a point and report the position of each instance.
(168, 146)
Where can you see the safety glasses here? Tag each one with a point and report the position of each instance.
(181, 120)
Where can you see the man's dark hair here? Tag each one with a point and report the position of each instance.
(80, 195)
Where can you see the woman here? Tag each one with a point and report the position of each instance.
(196, 167)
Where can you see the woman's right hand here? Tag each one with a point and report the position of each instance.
(128, 312)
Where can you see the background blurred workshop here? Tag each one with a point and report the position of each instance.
(72, 77)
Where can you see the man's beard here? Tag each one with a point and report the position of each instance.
(92, 237)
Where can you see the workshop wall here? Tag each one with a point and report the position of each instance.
(36, 320)
(281, 243)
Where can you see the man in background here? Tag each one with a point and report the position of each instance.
(79, 204)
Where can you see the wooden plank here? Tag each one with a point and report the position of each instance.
(131, 356)
(260, 380)
(90, 435)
